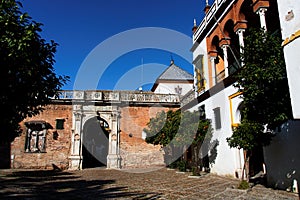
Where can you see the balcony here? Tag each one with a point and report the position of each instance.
(220, 76)
(232, 69)
(209, 17)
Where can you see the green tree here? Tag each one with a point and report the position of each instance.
(263, 79)
(163, 128)
(263, 83)
(176, 131)
(27, 74)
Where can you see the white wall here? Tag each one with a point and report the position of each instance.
(290, 27)
(228, 160)
(289, 16)
(169, 88)
(292, 59)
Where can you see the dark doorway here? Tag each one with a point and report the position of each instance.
(95, 143)
(256, 161)
(5, 155)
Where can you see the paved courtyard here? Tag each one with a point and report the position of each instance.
(100, 183)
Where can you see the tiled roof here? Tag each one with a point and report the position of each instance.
(173, 72)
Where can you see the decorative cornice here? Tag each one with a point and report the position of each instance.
(224, 41)
(291, 38)
(213, 53)
(240, 25)
(260, 4)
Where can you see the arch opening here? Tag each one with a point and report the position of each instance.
(95, 143)
(234, 51)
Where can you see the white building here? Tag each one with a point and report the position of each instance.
(217, 44)
(173, 80)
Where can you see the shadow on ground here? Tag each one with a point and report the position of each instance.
(42, 184)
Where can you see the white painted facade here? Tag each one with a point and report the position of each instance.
(229, 161)
(289, 13)
(172, 88)
(282, 155)
(173, 80)
(223, 98)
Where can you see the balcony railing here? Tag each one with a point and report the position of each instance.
(117, 96)
(233, 68)
(209, 16)
(220, 76)
(187, 98)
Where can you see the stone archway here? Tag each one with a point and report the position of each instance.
(107, 105)
(86, 141)
(95, 143)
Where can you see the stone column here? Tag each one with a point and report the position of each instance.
(213, 70)
(261, 12)
(224, 47)
(76, 146)
(113, 158)
(240, 33)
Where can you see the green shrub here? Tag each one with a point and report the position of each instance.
(173, 165)
(195, 171)
(244, 185)
(182, 165)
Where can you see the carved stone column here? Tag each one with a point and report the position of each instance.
(240, 33)
(213, 70)
(113, 158)
(213, 54)
(76, 145)
(224, 47)
(262, 12)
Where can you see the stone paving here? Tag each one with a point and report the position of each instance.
(100, 183)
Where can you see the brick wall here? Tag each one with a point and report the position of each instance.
(135, 152)
(57, 149)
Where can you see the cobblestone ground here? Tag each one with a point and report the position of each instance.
(100, 183)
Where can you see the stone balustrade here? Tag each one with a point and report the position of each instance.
(117, 96)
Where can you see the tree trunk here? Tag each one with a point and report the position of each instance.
(246, 167)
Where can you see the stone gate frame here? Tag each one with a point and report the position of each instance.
(81, 114)
(106, 104)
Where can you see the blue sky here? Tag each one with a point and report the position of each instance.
(80, 26)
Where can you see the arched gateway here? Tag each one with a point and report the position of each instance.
(97, 121)
(95, 143)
